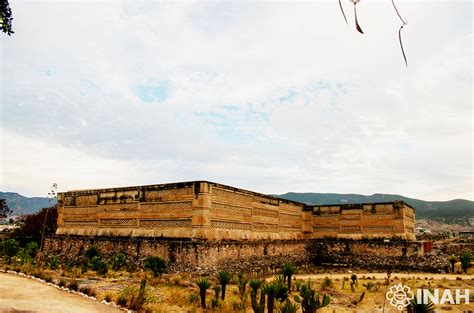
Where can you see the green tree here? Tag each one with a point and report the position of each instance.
(203, 284)
(155, 264)
(224, 278)
(6, 17)
(10, 249)
(465, 258)
(4, 209)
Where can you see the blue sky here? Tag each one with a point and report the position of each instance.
(268, 96)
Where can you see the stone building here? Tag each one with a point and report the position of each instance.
(207, 210)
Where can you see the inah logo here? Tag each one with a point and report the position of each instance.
(399, 296)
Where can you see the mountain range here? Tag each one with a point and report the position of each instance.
(21, 205)
(448, 210)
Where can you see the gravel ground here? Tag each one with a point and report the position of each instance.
(19, 294)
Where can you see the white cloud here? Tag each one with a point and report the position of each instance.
(269, 96)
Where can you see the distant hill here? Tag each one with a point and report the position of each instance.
(453, 209)
(21, 205)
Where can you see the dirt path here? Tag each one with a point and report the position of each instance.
(20, 294)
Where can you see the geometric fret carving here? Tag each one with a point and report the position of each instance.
(265, 212)
(79, 224)
(350, 229)
(378, 229)
(161, 206)
(265, 226)
(229, 209)
(321, 229)
(119, 222)
(230, 225)
(149, 223)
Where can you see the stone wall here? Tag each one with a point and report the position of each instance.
(185, 253)
(206, 210)
(364, 221)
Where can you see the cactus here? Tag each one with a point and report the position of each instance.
(309, 300)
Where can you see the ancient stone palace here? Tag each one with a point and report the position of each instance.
(207, 210)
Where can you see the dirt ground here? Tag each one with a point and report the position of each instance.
(19, 294)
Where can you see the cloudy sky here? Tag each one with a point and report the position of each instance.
(268, 96)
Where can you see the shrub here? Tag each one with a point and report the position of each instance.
(108, 297)
(62, 283)
(156, 264)
(48, 279)
(73, 285)
(88, 291)
(92, 252)
(118, 261)
(10, 249)
(134, 298)
(98, 265)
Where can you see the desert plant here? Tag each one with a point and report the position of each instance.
(369, 285)
(118, 261)
(415, 307)
(354, 279)
(309, 300)
(122, 300)
(344, 280)
(465, 259)
(62, 283)
(217, 290)
(53, 262)
(358, 299)
(276, 290)
(193, 298)
(242, 281)
(203, 284)
(224, 278)
(327, 283)
(288, 270)
(255, 284)
(352, 286)
(156, 264)
(453, 260)
(289, 307)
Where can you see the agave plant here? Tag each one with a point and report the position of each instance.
(224, 278)
(309, 300)
(289, 307)
(255, 284)
(288, 270)
(203, 284)
(415, 307)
